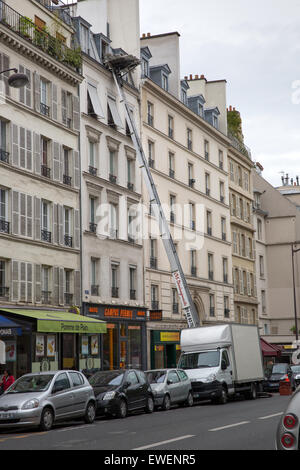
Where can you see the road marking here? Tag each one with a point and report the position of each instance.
(271, 416)
(161, 443)
(229, 426)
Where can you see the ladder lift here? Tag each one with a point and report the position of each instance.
(120, 65)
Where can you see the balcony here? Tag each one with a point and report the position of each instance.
(38, 37)
(150, 120)
(206, 156)
(151, 162)
(92, 171)
(153, 262)
(68, 298)
(46, 297)
(154, 304)
(59, 8)
(67, 180)
(115, 292)
(171, 173)
(192, 182)
(113, 179)
(68, 241)
(4, 226)
(93, 227)
(194, 271)
(45, 171)
(132, 294)
(46, 236)
(4, 292)
(95, 290)
(44, 109)
(4, 156)
(130, 186)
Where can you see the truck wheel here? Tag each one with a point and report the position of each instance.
(224, 397)
(252, 395)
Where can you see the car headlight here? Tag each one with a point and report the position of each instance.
(109, 396)
(209, 378)
(31, 404)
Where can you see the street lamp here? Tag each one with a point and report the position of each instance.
(16, 80)
(294, 250)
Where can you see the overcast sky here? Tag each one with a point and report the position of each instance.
(255, 46)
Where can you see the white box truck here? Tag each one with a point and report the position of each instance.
(222, 360)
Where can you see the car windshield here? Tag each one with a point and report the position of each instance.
(279, 369)
(107, 378)
(295, 369)
(156, 377)
(31, 383)
(199, 360)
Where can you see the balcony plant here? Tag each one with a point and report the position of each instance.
(26, 27)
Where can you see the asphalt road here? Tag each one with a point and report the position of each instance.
(238, 425)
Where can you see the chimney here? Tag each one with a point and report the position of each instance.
(196, 77)
(148, 35)
(286, 179)
(282, 180)
(202, 77)
(143, 35)
(186, 77)
(191, 77)
(297, 179)
(292, 181)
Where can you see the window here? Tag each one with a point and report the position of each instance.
(150, 119)
(223, 228)
(115, 280)
(225, 270)
(239, 174)
(172, 208)
(94, 104)
(183, 96)
(226, 306)
(231, 166)
(210, 266)
(68, 287)
(67, 226)
(154, 297)
(211, 305)
(200, 110)
(208, 223)
(114, 119)
(45, 167)
(67, 108)
(84, 38)
(4, 224)
(76, 378)
(92, 146)
(215, 121)
(132, 378)
(191, 175)
(151, 154)
(207, 184)
(112, 166)
(221, 160)
(259, 229)
(153, 253)
(46, 234)
(113, 220)
(165, 82)
(222, 197)
(263, 301)
(132, 283)
(171, 127)
(145, 68)
(62, 382)
(257, 200)
(189, 139)
(193, 263)
(67, 179)
(192, 216)
(46, 293)
(175, 301)
(171, 165)
(130, 173)
(206, 150)
(261, 267)
(3, 289)
(44, 108)
(93, 226)
(4, 155)
(94, 277)
(233, 205)
(246, 181)
(241, 206)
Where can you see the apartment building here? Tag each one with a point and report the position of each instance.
(39, 176)
(277, 223)
(112, 253)
(242, 224)
(184, 134)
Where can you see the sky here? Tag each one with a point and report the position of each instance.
(255, 46)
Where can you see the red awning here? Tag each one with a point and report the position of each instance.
(269, 349)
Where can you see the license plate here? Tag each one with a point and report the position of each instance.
(7, 415)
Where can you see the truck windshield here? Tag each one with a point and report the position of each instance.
(199, 360)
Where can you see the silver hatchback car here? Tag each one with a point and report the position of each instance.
(44, 398)
(287, 436)
(170, 386)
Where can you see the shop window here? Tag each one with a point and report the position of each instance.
(45, 352)
(134, 346)
(110, 348)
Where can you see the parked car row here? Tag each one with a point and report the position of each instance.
(42, 399)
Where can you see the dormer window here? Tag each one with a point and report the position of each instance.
(145, 68)
(183, 96)
(84, 38)
(200, 110)
(165, 82)
(215, 121)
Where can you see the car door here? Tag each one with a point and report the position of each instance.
(144, 387)
(185, 384)
(80, 392)
(133, 391)
(226, 373)
(173, 383)
(62, 396)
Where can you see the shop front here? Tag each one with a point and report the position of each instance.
(52, 340)
(124, 344)
(165, 348)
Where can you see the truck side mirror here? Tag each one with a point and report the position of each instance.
(223, 365)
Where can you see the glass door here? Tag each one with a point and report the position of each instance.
(123, 345)
(69, 351)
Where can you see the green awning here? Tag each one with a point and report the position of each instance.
(53, 321)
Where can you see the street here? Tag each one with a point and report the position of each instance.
(239, 425)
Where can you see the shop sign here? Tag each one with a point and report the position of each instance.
(155, 315)
(70, 327)
(7, 331)
(117, 312)
(169, 336)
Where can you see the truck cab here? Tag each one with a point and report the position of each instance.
(210, 372)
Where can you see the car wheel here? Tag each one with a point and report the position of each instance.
(122, 409)
(166, 403)
(223, 398)
(190, 399)
(47, 419)
(90, 413)
(150, 405)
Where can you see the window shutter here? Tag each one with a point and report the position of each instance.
(37, 217)
(38, 283)
(76, 113)
(15, 213)
(76, 229)
(61, 162)
(254, 249)
(25, 92)
(29, 150)
(238, 209)
(54, 106)
(23, 282)
(55, 223)
(37, 152)
(77, 288)
(22, 216)
(248, 284)
(60, 224)
(29, 282)
(4, 65)
(15, 145)
(37, 92)
(22, 148)
(29, 216)
(241, 282)
(254, 285)
(61, 286)
(56, 285)
(64, 106)
(15, 281)
(56, 161)
(76, 166)
(22, 89)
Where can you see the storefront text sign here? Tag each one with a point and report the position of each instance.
(155, 315)
(169, 336)
(113, 312)
(70, 327)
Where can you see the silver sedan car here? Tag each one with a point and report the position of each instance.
(170, 386)
(287, 437)
(47, 397)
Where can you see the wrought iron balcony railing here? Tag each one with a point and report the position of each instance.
(4, 226)
(68, 241)
(38, 37)
(59, 8)
(67, 180)
(95, 290)
(68, 298)
(46, 236)
(45, 171)
(46, 297)
(92, 171)
(4, 291)
(4, 156)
